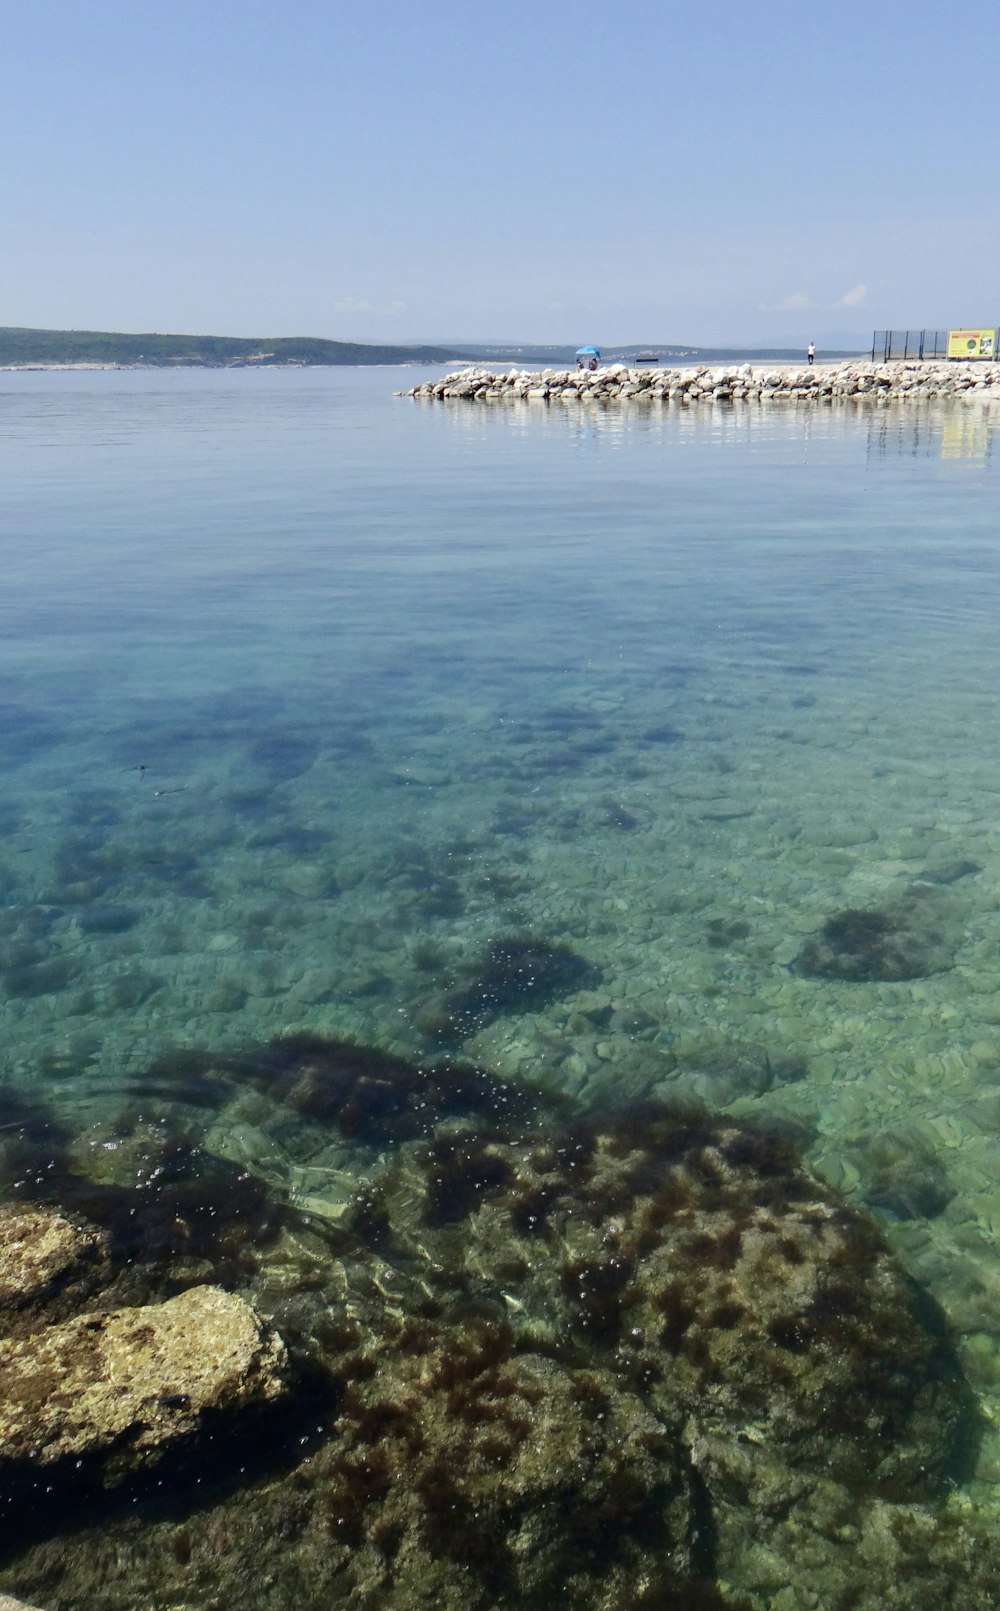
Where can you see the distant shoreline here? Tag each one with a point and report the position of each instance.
(194, 368)
(97, 350)
(96, 367)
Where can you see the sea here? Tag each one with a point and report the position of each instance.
(632, 755)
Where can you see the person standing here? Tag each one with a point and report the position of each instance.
(810, 352)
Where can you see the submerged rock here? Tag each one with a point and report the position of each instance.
(165, 1205)
(104, 1396)
(901, 1174)
(481, 1476)
(372, 1096)
(638, 1360)
(886, 944)
(728, 1287)
(515, 974)
(789, 1543)
(45, 1260)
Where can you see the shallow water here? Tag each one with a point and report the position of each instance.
(309, 694)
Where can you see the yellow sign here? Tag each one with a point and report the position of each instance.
(971, 343)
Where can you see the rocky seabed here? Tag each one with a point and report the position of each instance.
(855, 381)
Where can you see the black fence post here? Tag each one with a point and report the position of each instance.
(895, 344)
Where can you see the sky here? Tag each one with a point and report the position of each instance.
(700, 171)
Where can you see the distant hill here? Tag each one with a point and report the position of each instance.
(19, 346)
(154, 351)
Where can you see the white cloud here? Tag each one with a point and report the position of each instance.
(384, 310)
(788, 304)
(798, 302)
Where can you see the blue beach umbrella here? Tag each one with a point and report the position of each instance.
(588, 352)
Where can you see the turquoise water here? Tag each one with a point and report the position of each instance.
(311, 694)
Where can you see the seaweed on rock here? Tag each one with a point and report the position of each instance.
(727, 1284)
(516, 974)
(373, 1096)
(476, 1463)
(877, 944)
(173, 1213)
(546, 1343)
(365, 1094)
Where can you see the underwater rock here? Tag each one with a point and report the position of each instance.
(515, 975)
(663, 733)
(719, 1072)
(281, 756)
(167, 1210)
(900, 1173)
(40, 978)
(106, 1395)
(724, 932)
(489, 1477)
(106, 917)
(169, 1206)
(32, 1141)
(370, 1095)
(637, 1360)
(950, 872)
(786, 1541)
(45, 1259)
(886, 944)
(729, 1287)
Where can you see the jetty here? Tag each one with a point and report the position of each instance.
(851, 381)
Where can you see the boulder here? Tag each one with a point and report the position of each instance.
(48, 1263)
(708, 1266)
(102, 1397)
(503, 1480)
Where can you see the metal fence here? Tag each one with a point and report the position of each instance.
(888, 344)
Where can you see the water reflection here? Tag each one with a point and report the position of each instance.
(933, 430)
(969, 436)
(924, 428)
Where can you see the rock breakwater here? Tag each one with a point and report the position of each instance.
(855, 381)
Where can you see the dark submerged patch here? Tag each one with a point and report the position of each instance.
(516, 974)
(875, 945)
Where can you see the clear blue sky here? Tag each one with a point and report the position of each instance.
(647, 170)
